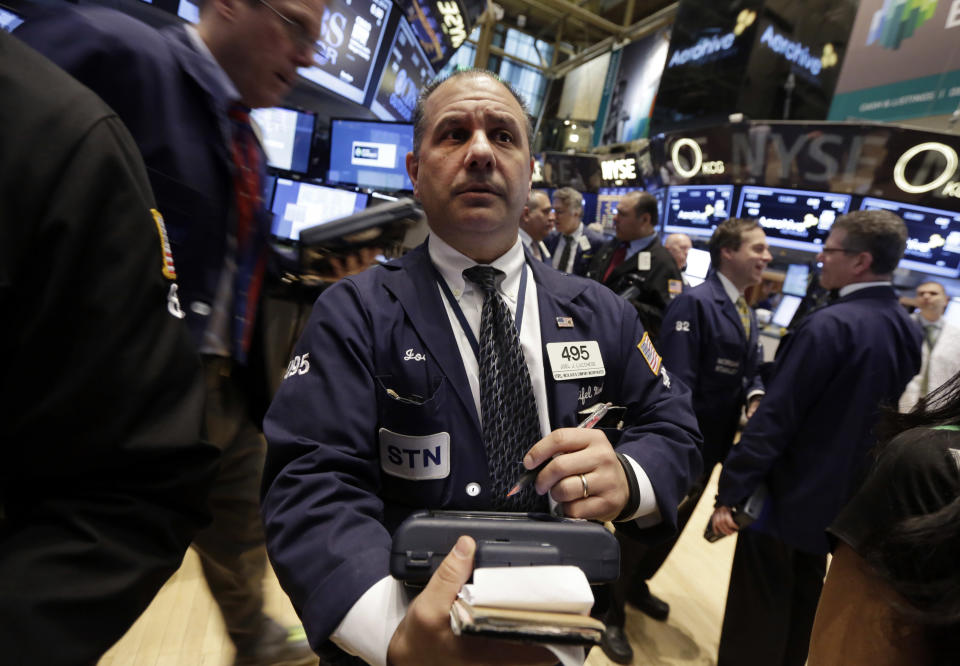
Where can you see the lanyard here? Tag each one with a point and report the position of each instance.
(465, 325)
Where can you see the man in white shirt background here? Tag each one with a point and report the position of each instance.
(941, 344)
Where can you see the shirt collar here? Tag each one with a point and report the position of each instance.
(857, 286)
(225, 92)
(640, 244)
(525, 237)
(926, 323)
(728, 287)
(451, 264)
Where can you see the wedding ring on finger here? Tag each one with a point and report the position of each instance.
(586, 490)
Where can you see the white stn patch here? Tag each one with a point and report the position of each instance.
(417, 458)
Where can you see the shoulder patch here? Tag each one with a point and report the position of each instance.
(675, 286)
(166, 253)
(650, 354)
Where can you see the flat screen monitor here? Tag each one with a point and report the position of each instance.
(350, 37)
(188, 11)
(607, 200)
(406, 71)
(298, 205)
(696, 210)
(287, 136)
(796, 219)
(795, 282)
(369, 153)
(786, 310)
(933, 236)
(9, 21)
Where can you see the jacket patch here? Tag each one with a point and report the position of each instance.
(166, 253)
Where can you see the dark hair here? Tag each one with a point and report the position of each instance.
(879, 232)
(728, 234)
(645, 203)
(918, 556)
(419, 127)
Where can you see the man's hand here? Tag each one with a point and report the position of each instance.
(752, 405)
(424, 636)
(588, 453)
(722, 521)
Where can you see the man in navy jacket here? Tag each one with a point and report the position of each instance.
(810, 438)
(380, 412)
(706, 346)
(183, 93)
(573, 233)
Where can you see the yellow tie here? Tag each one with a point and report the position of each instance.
(744, 315)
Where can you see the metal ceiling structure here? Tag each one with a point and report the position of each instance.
(579, 30)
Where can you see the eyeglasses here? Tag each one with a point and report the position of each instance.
(298, 32)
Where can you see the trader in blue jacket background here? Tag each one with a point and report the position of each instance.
(810, 438)
(709, 341)
(380, 413)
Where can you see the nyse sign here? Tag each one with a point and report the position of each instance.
(848, 159)
(619, 169)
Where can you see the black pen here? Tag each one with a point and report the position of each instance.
(527, 477)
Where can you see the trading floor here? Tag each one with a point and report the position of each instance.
(183, 628)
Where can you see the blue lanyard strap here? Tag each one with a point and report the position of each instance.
(465, 325)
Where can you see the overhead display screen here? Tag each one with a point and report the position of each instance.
(369, 153)
(298, 206)
(796, 219)
(350, 37)
(696, 210)
(287, 136)
(933, 236)
(405, 72)
(8, 20)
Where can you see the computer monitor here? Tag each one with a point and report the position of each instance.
(933, 236)
(287, 136)
(795, 282)
(698, 265)
(351, 36)
(607, 200)
(406, 71)
(795, 219)
(786, 310)
(188, 11)
(9, 20)
(298, 205)
(696, 210)
(370, 153)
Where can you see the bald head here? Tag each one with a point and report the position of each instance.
(678, 245)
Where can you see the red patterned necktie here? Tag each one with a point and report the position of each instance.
(618, 256)
(251, 241)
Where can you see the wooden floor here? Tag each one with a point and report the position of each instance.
(182, 627)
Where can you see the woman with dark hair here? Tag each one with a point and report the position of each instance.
(892, 594)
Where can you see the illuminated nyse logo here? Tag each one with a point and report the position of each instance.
(714, 47)
(696, 164)
(452, 22)
(622, 169)
(930, 150)
(797, 53)
(377, 155)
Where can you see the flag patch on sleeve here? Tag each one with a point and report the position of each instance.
(167, 267)
(650, 354)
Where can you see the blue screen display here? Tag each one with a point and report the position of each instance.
(370, 154)
(406, 71)
(696, 210)
(287, 136)
(933, 236)
(796, 219)
(8, 20)
(297, 206)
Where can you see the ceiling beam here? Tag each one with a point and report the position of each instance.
(569, 9)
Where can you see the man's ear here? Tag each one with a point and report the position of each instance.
(225, 8)
(863, 263)
(413, 167)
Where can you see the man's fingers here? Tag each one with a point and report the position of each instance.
(453, 572)
(564, 440)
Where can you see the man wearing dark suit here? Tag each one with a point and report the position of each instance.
(184, 92)
(636, 261)
(810, 438)
(389, 370)
(536, 223)
(104, 476)
(573, 246)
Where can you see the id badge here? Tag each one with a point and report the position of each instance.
(575, 360)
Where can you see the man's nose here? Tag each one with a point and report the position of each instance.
(480, 152)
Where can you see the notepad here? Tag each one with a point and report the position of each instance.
(546, 604)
